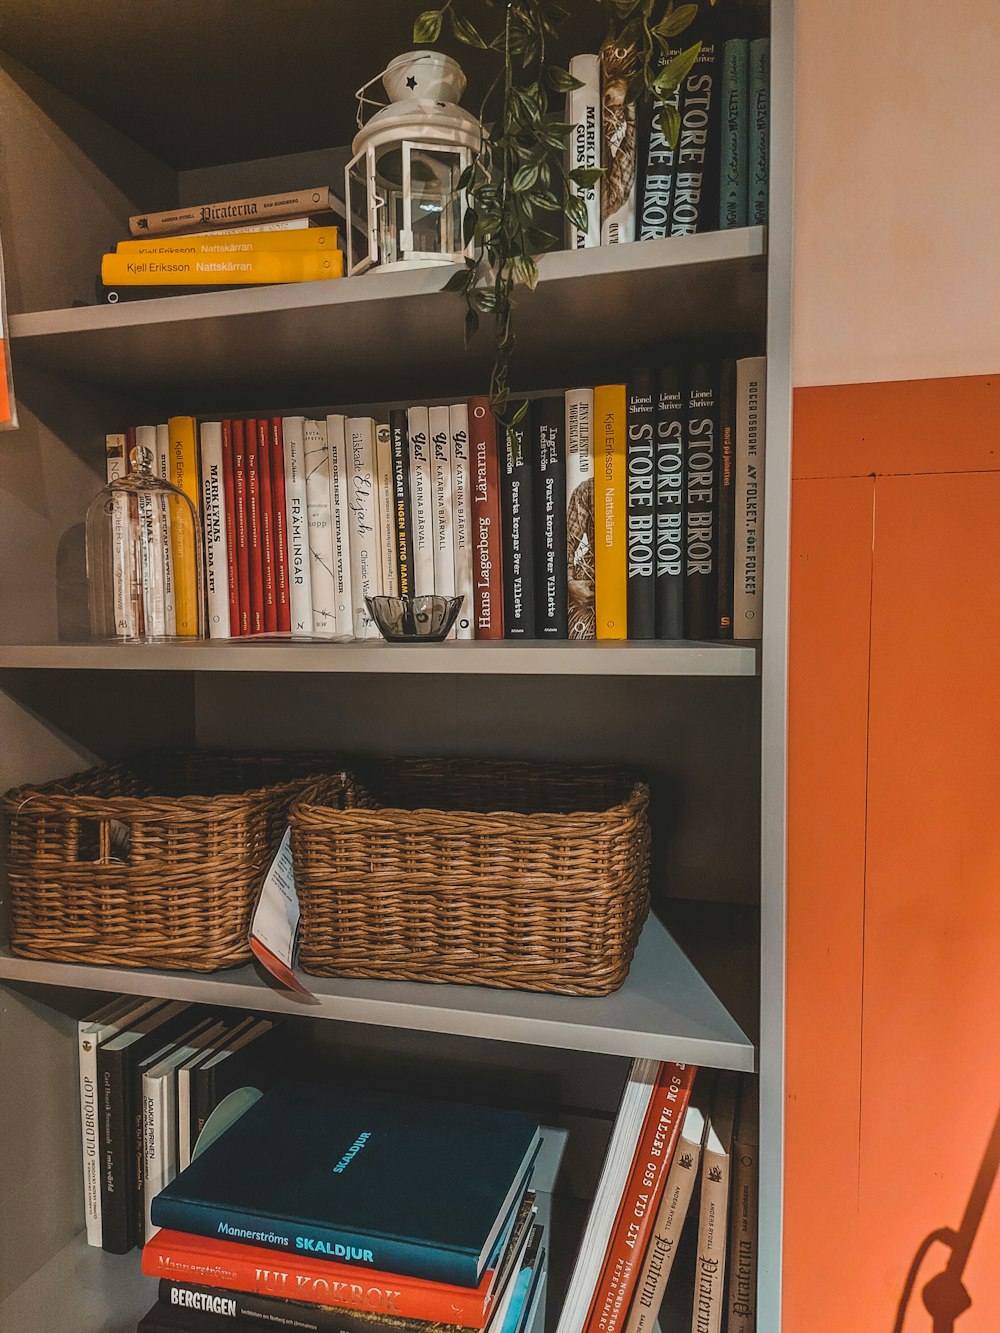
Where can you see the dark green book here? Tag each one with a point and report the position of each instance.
(760, 118)
(734, 147)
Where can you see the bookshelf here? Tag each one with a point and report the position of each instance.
(705, 720)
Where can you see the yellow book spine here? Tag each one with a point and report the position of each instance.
(610, 546)
(127, 270)
(185, 546)
(310, 240)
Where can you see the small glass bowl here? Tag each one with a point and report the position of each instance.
(426, 619)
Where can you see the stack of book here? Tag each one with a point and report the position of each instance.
(240, 242)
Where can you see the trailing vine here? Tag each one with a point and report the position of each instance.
(518, 187)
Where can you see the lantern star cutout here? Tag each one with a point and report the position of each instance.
(411, 82)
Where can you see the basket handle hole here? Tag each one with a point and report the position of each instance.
(104, 840)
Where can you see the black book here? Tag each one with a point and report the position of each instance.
(701, 434)
(671, 407)
(725, 486)
(640, 472)
(516, 528)
(549, 415)
(657, 173)
(695, 201)
(251, 1059)
(401, 499)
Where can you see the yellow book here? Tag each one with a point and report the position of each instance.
(310, 240)
(183, 473)
(128, 270)
(610, 546)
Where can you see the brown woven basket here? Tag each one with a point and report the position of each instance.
(486, 873)
(153, 863)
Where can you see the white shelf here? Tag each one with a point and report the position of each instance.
(80, 1290)
(664, 1011)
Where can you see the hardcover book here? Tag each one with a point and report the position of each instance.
(580, 614)
(260, 266)
(363, 523)
(184, 475)
(421, 500)
(671, 407)
(255, 527)
(233, 1029)
(517, 529)
(245, 241)
(640, 465)
(549, 423)
(242, 523)
(695, 205)
(618, 143)
(322, 573)
(249, 1058)
(216, 539)
(610, 564)
(583, 112)
(751, 386)
(701, 503)
(158, 611)
(713, 1219)
(439, 425)
(232, 559)
(258, 208)
(486, 543)
(268, 554)
(760, 115)
(297, 516)
(356, 1177)
(658, 180)
(398, 425)
(461, 493)
(385, 503)
(726, 497)
(340, 520)
(276, 444)
(741, 1289)
(733, 181)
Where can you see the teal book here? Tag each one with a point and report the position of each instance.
(392, 1183)
(733, 194)
(760, 124)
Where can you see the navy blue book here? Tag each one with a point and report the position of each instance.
(398, 1184)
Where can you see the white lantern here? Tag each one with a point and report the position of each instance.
(403, 202)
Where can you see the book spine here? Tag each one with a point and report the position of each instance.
(421, 500)
(550, 517)
(203, 1099)
(398, 425)
(115, 1148)
(385, 504)
(759, 118)
(255, 544)
(517, 528)
(216, 548)
(184, 475)
(461, 501)
(305, 238)
(90, 1111)
(252, 228)
(618, 145)
(183, 1125)
(322, 579)
(580, 613)
(162, 469)
(695, 205)
(297, 522)
(670, 418)
(658, 180)
(439, 425)
(363, 523)
(154, 1123)
(487, 566)
(741, 1298)
(232, 560)
(267, 556)
(116, 464)
(583, 112)
(710, 1265)
(749, 535)
(151, 518)
(733, 177)
(280, 526)
(725, 487)
(610, 567)
(274, 1311)
(701, 508)
(254, 208)
(340, 525)
(220, 270)
(640, 466)
(242, 493)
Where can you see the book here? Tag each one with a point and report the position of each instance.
(215, 530)
(713, 1218)
(229, 509)
(322, 576)
(242, 523)
(695, 204)
(640, 1200)
(386, 506)
(255, 526)
(263, 207)
(301, 223)
(671, 406)
(154, 529)
(748, 560)
(640, 473)
(260, 266)
(733, 166)
(365, 1172)
(398, 427)
(701, 430)
(657, 1263)
(759, 127)
(658, 176)
(162, 470)
(297, 523)
(276, 449)
(340, 518)
(233, 1029)
(185, 1308)
(461, 507)
(580, 612)
(610, 561)
(268, 558)
(421, 500)
(228, 242)
(116, 467)
(363, 523)
(487, 566)
(549, 421)
(184, 554)
(618, 143)
(583, 112)
(439, 426)
(250, 1056)
(517, 524)
(725, 486)
(741, 1288)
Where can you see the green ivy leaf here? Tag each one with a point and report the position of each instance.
(523, 179)
(465, 32)
(520, 413)
(586, 177)
(469, 220)
(676, 71)
(487, 300)
(676, 21)
(427, 26)
(576, 211)
(458, 282)
(670, 123)
(471, 324)
(560, 80)
(526, 271)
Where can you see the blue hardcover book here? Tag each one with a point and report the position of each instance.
(733, 178)
(397, 1184)
(760, 117)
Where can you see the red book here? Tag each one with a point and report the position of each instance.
(255, 540)
(232, 558)
(242, 525)
(266, 525)
(487, 575)
(280, 527)
(297, 1277)
(640, 1203)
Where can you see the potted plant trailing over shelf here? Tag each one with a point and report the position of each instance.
(519, 188)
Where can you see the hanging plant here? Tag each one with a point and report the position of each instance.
(519, 189)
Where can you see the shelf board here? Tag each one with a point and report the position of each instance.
(665, 1010)
(340, 339)
(80, 1289)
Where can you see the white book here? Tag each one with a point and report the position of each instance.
(213, 513)
(583, 112)
(117, 464)
(297, 526)
(385, 502)
(439, 422)
(340, 510)
(421, 500)
(619, 155)
(162, 470)
(185, 1144)
(279, 224)
(580, 552)
(154, 536)
(461, 510)
(322, 580)
(364, 533)
(748, 565)
(610, 1188)
(713, 1218)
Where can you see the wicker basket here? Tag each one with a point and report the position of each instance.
(485, 873)
(152, 863)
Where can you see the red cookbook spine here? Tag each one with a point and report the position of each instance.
(254, 530)
(266, 524)
(242, 524)
(232, 557)
(233, 1266)
(280, 527)
(487, 571)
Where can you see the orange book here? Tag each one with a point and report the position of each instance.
(610, 547)
(183, 460)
